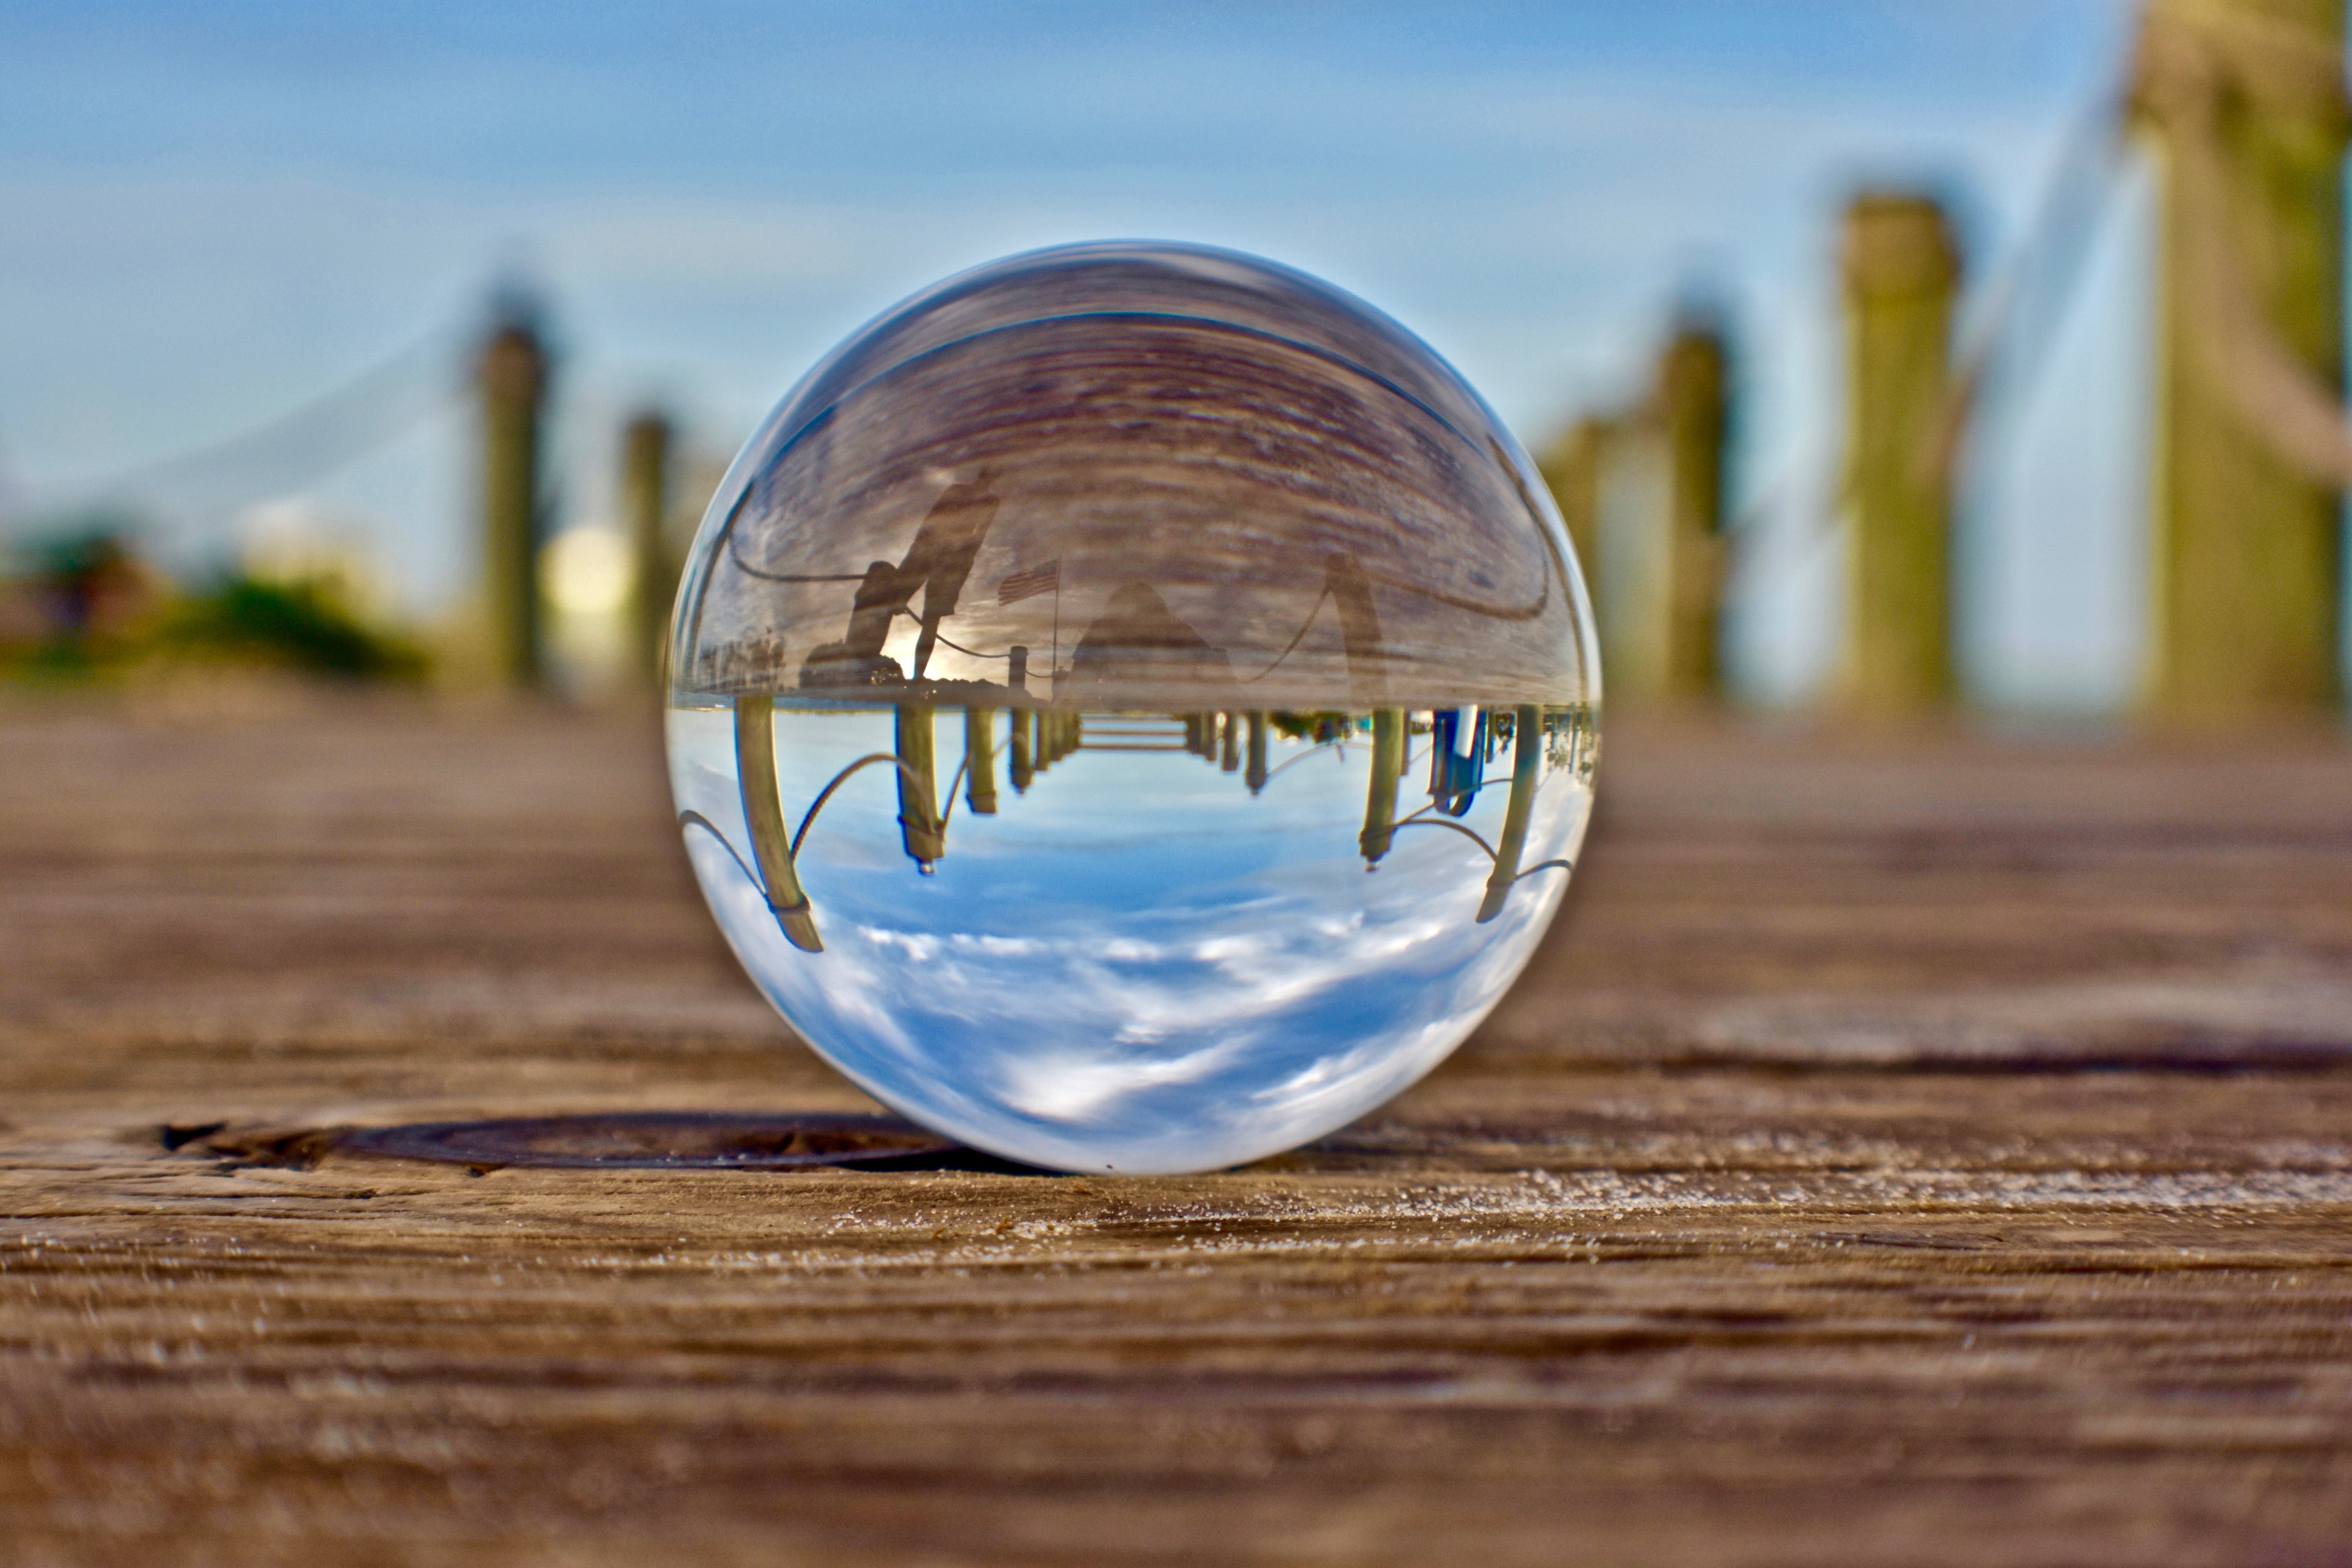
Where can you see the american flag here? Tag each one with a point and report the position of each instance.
(1028, 584)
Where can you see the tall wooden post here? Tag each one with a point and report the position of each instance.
(1647, 490)
(511, 377)
(763, 814)
(1526, 772)
(980, 760)
(2245, 99)
(645, 502)
(1390, 741)
(1902, 271)
(1025, 725)
(1694, 418)
(1047, 738)
(919, 824)
(1571, 470)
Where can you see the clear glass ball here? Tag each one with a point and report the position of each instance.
(1132, 708)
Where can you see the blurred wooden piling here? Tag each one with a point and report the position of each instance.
(1643, 496)
(1693, 420)
(1901, 273)
(2245, 102)
(1571, 470)
(511, 377)
(645, 504)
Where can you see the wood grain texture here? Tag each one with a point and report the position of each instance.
(1936, 1151)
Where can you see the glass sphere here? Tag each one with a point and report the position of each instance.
(1132, 708)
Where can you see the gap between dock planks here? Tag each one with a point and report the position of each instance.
(1934, 1150)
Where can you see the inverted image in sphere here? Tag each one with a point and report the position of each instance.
(1133, 708)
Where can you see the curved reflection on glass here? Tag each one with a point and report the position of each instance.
(1132, 709)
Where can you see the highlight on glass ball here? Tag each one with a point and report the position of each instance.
(1133, 708)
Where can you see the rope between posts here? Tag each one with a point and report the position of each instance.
(843, 777)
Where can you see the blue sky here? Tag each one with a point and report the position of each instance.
(217, 212)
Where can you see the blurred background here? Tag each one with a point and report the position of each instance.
(1886, 357)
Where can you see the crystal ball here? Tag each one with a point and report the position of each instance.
(1132, 707)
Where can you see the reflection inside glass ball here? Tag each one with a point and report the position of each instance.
(1132, 708)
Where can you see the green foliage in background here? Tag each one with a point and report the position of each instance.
(82, 604)
(298, 627)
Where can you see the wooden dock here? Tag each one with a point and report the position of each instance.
(1934, 1150)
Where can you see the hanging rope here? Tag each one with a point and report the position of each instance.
(1417, 820)
(1295, 638)
(328, 433)
(921, 787)
(945, 641)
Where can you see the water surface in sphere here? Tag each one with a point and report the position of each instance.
(1132, 709)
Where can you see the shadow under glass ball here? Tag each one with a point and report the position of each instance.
(1132, 708)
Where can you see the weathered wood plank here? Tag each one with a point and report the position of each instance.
(1775, 1218)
